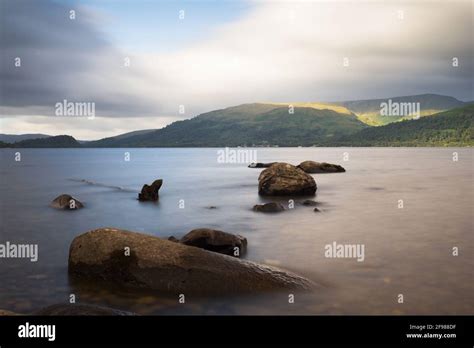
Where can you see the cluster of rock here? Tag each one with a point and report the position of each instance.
(310, 167)
(67, 202)
(162, 265)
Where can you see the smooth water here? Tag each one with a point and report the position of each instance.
(408, 251)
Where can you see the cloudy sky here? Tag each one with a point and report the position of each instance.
(203, 55)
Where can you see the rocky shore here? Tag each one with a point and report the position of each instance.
(203, 262)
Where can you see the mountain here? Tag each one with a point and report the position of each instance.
(51, 142)
(13, 138)
(115, 141)
(449, 128)
(369, 111)
(249, 124)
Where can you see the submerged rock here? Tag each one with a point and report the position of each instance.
(79, 309)
(309, 203)
(283, 179)
(150, 192)
(67, 202)
(161, 265)
(261, 165)
(313, 167)
(4, 312)
(316, 210)
(173, 239)
(217, 241)
(269, 207)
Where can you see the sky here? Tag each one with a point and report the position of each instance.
(189, 57)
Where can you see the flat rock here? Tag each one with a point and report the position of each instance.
(261, 165)
(269, 207)
(313, 167)
(283, 179)
(309, 203)
(216, 241)
(165, 266)
(67, 202)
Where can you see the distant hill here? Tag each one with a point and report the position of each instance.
(449, 128)
(311, 124)
(248, 124)
(13, 138)
(368, 111)
(50, 142)
(116, 140)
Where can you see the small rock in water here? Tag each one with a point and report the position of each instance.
(150, 192)
(67, 202)
(212, 207)
(260, 165)
(310, 203)
(313, 167)
(269, 207)
(217, 241)
(316, 210)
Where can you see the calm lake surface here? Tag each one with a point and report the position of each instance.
(408, 251)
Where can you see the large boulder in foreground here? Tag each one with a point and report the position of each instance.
(216, 241)
(150, 192)
(165, 266)
(313, 167)
(283, 179)
(67, 202)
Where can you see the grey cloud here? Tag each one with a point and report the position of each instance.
(60, 59)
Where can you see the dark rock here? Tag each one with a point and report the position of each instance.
(4, 312)
(173, 239)
(66, 202)
(212, 207)
(309, 203)
(80, 309)
(317, 167)
(316, 210)
(261, 165)
(161, 265)
(150, 192)
(269, 207)
(283, 179)
(217, 241)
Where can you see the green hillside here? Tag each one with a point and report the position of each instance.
(51, 142)
(450, 128)
(369, 111)
(249, 124)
